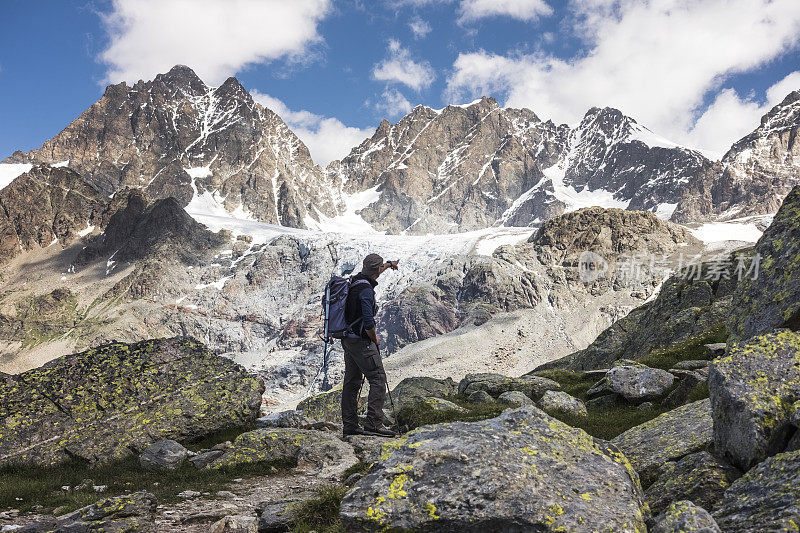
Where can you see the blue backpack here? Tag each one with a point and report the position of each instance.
(333, 306)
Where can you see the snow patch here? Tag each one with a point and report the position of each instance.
(664, 211)
(60, 164)
(350, 221)
(486, 245)
(575, 200)
(741, 230)
(219, 284)
(86, 231)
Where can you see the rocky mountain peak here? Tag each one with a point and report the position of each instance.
(183, 77)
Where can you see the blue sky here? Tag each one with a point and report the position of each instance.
(700, 72)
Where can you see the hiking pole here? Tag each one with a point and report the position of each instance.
(386, 382)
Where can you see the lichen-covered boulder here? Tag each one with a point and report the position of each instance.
(131, 512)
(515, 398)
(557, 402)
(753, 390)
(480, 396)
(497, 384)
(414, 389)
(638, 383)
(772, 299)
(284, 419)
(326, 406)
(699, 477)
(667, 437)
(685, 517)
(316, 452)
(367, 447)
(105, 403)
(440, 404)
(767, 498)
(521, 471)
(163, 455)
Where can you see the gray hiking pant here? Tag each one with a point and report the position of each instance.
(362, 359)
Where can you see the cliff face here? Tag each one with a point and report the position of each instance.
(175, 136)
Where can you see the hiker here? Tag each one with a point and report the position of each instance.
(362, 356)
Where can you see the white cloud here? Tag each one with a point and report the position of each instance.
(393, 103)
(399, 67)
(731, 117)
(420, 28)
(327, 138)
(216, 38)
(527, 10)
(655, 60)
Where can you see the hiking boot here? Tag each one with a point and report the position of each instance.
(352, 431)
(379, 431)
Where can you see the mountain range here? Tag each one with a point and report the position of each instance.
(461, 168)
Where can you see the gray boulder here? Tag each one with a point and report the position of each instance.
(440, 404)
(283, 419)
(480, 396)
(163, 455)
(326, 406)
(102, 404)
(638, 383)
(668, 437)
(715, 349)
(414, 389)
(315, 452)
(753, 390)
(275, 516)
(695, 364)
(497, 384)
(514, 398)
(767, 498)
(497, 475)
(131, 512)
(202, 460)
(685, 517)
(689, 381)
(699, 477)
(235, 524)
(555, 402)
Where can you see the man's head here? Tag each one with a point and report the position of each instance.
(372, 266)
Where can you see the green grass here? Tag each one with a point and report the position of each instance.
(421, 414)
(29, 488)
(608, 422)
(320, 513)
(360, 467)
(665, 358)
(574, 383)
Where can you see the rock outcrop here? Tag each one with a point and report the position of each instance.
(685, 517)
(754, 391)
(495, 385)
(317, 452)
(668, 437)
(109, 402)
(497, 475)
(130, 512)
(772, 299)
(767, 498)
(44, 207)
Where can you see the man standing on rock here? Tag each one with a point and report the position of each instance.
(362, 357)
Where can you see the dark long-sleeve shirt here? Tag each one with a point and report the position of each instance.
(361, 304)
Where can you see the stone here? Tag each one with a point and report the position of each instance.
(668, 437)
(283, 419)
(414, 389)
(366, 447)
(235, 524)
(497, 384)
(202, 460)
(696, 364)
(188, 494)
(480, 396)
(689, 380)
(685, 517)
(101, 404)
(163, 455)
(766, 498)
(514, 398)
(699, 477)
(439, 404)
(771, 300)
(607, 401)
(316, 452)
(635, 383)
(753, 390)
(497, 475)
(326, 406)
(275, 517)
(130, 512)
(557, 402)
(713, 350)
